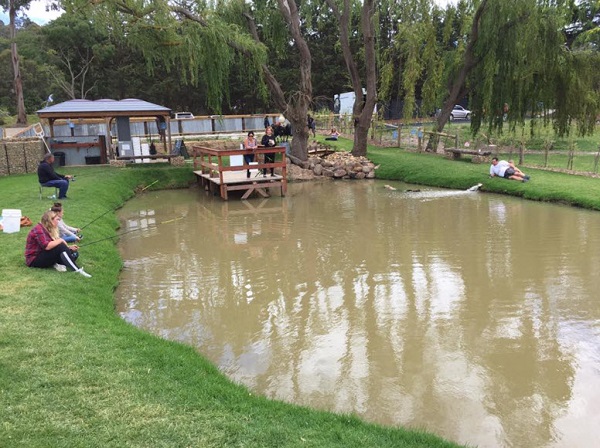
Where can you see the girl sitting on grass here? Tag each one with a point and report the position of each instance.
(44, 248)
(66, 232)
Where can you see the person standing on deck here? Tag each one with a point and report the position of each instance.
(250, 144)
(269, 141)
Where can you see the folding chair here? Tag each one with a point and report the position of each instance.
(54, 196)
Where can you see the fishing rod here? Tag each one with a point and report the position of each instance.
(127, 231)
(148, 186)
(113, 209)
(96, 219)
(108, 237)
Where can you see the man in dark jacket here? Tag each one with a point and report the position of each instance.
(49, 178)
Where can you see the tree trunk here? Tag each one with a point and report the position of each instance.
(457, 90)
(296, 108)
(362, 112)
(17, 81)
(300, 132)
(361, 136)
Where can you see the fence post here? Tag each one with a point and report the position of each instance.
(572, 145)
(547, 147)
(399, 133)
(522, 152)
(596, 160)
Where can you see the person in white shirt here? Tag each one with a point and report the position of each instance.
(66, 232)
(502, 168)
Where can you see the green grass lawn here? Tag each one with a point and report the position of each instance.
(72, 373)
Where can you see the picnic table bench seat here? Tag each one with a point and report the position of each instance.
(479, 156)
(168, 157)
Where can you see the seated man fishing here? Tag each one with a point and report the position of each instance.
(50, 178)
(502, 168)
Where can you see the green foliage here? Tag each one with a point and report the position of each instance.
(411, 66)
(202, 50)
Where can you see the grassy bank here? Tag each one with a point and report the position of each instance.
(74, 374)
(427, 169)
(436, 170)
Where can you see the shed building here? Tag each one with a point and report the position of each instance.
(101, 147)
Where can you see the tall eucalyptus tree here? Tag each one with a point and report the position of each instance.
(13, 7)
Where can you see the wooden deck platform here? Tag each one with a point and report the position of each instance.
(215, 174)
(235, 181)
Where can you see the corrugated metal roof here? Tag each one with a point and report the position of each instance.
(104, 107)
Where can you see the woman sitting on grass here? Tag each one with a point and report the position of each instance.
(333, 135)
(44, 248)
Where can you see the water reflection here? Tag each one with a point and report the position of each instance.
(472, 315)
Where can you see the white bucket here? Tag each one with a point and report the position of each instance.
(11, 220)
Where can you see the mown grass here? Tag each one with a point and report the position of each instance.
(72, 373)
(436, 170)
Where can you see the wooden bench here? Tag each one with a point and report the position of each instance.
(479, 156)
(168, 157)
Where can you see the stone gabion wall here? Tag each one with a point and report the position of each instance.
(20, 156)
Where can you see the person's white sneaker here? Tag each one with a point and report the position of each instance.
(60, 267)
(82, 272)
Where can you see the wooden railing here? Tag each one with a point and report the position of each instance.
(212, 170)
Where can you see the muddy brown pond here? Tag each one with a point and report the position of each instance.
(471, 315)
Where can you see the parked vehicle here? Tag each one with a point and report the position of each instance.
(184, 115)
(460, 113)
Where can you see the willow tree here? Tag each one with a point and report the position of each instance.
(362, 110)
(514, 63)
(411, 66)
(202, 41)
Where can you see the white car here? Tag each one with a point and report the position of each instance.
(460, 113)
(184, 116)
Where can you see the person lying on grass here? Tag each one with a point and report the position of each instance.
(502, 168)
(44, 248)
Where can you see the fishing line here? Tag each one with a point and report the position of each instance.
(113, 209)
(128, 231)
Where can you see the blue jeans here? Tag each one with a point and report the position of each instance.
(247, 159)
(69, 238)
(62, 185)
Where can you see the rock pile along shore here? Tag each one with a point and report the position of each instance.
(339, 165)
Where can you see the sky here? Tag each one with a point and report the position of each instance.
(37, 12)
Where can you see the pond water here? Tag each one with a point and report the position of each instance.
(471, 315)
